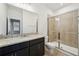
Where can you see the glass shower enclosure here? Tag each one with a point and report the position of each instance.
(68, 32)
(64, 30)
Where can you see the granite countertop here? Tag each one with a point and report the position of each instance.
(15, 40)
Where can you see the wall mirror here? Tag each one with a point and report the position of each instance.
(14, 27)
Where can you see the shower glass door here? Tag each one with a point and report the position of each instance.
(63, 31)
(52, 32)
(68, 32)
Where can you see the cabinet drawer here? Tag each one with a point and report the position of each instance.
(36, 41)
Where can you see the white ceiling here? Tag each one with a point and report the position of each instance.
(55, 6)
(52, 6)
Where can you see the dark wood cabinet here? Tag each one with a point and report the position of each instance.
(37, 50)
(37, 47)
(34, 50)
(22, 52)
(10, 54)
(15, 50)
(30, 48)
(41, 49)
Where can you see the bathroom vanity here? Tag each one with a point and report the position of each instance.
(32, 45)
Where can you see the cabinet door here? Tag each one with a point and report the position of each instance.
(40, 49)
(22, 52)
(37, 50)
(33, 50)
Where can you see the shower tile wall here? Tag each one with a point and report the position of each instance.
(52, 33)
(69, 28)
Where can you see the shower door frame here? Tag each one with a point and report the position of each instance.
(78, 31)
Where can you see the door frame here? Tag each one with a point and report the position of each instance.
(48, 27)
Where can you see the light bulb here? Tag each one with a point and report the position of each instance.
(57, 19)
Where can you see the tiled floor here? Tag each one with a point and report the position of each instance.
(54, 52)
